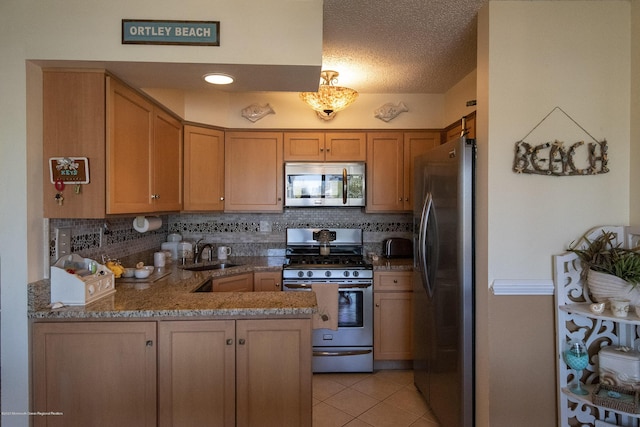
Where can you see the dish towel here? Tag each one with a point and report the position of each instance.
(327, 299)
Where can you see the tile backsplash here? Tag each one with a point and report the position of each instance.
(251, 234)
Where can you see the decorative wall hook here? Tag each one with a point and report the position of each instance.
(255, 112)
(390, 111)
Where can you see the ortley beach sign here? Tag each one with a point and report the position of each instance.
(147, 31)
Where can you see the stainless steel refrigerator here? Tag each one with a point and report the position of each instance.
(444, 276)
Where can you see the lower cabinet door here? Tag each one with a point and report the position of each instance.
(196, 375)
(269, 397)
(94, 373)
(392, 325)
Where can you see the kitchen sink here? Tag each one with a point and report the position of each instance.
(210, 267)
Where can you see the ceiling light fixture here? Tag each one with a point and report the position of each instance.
(218, 79)
(329, 98)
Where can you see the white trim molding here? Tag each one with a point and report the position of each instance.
(522, 287)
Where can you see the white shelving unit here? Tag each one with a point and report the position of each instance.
(574, 320)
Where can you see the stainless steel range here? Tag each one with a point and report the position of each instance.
(316, 256)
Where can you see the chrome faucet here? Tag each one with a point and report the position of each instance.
(198, 251)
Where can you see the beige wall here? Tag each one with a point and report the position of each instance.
(634, 191)
(224, 109)
(534, 56)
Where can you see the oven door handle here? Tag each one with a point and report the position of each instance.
(308, 286)
(342, 353)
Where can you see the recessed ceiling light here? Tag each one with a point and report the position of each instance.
(218, 79)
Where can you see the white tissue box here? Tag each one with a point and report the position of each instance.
(619, 366)
(83, 288)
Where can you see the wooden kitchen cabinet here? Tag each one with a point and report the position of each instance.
(415, 144)
(325, 146)
(208, 372)
(267, 281)
(236, 283)
(221, 372)
(89, 371)
(454, 130)
(144, 154)
(390, 158)
(196, 373)
(271, 397)
(254, 171)
(203, 169)
(73, 115)
(392, 315)
(133, 147)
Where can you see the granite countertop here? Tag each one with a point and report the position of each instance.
(172, 296)
(402, 264)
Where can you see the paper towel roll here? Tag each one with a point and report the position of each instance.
(142, 224)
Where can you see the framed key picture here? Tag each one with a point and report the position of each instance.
(69, 170)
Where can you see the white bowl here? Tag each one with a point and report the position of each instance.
(143, 273)
(128, 272)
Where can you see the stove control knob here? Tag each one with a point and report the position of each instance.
(356, 274)
(300, 273)
(309, 273)
(346, 273)
(327, 273)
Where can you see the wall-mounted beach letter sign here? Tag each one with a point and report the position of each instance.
(146, 31)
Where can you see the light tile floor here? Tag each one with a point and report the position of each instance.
(384, 398)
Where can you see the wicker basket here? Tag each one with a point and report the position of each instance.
(614, 397)
(603, 286)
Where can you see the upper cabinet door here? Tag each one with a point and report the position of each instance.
(144, 154)
(385, 172)
(253, 171)
(203, 169)
(129, 156)
(167, 162)
(304, 146)
(345, 146)
(415, 144)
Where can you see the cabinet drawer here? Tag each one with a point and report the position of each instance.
(392, 281)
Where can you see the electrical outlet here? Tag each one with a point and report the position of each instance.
(63, 242)
(265, 227)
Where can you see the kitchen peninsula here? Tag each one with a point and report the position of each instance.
(157, 353)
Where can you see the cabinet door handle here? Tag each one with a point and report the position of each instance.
(377, 305)
(149, 343)
(241, 341)
(395, 280)
(222, 198)
(229, 341)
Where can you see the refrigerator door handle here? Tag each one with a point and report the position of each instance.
(427, 220)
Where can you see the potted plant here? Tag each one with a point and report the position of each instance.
(609, 269)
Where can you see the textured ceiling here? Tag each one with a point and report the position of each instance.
(402, 46)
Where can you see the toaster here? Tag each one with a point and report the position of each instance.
(397, 248)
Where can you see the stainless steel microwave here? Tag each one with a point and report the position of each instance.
(324, 184)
